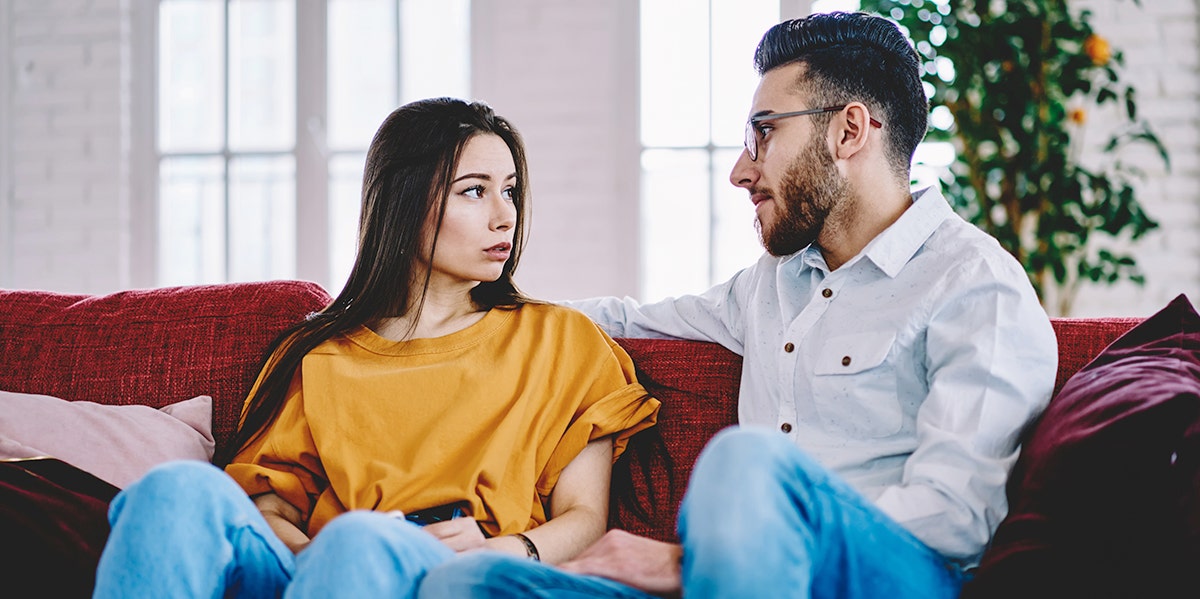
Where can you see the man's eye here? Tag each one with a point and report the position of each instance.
(475, 191)
(763, 129)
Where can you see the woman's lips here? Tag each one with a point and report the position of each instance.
(500, 251)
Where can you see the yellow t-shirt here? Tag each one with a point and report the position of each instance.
(489, 415)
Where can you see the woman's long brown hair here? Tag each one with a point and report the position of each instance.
(406, 179)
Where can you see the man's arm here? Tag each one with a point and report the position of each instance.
(716, 315)
(991, 359)
(645, 564)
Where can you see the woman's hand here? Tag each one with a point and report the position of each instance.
(284, 519)
(460, 534)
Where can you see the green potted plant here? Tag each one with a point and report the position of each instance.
(1015, 81)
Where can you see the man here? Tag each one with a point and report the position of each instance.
(892, 355)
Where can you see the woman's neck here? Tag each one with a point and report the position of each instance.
(441, 314)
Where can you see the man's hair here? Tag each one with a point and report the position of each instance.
(855, 57)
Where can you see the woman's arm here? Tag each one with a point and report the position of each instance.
(578, 512)
(284, 519)
(578, 507)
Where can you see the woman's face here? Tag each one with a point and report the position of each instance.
(477, 230)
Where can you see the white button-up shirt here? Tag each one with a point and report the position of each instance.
(910, 371)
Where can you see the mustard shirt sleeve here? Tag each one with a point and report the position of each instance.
(615, 404)
(284, 459)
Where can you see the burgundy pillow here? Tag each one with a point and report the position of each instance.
(1103, 501)
(53, 524)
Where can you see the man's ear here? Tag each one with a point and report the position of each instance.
(851, 130)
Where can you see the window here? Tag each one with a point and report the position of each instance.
(265, 112)
(697, 81)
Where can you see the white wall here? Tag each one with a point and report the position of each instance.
(67, 145)
(1161, 43)
(564, 72)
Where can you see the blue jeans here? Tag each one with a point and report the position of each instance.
(187, 530)
(760, 519)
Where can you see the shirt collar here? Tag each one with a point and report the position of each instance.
(897, 244)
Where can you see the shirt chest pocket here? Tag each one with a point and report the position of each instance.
(854, 385)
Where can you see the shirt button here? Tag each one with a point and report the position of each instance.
(826, 292)
(788, 347)
(845, 360)
(785, 427)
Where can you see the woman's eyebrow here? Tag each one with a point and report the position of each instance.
(484, 176)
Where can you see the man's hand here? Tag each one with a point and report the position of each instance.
(645, 564)
(460, 534)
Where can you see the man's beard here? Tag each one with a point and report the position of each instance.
(811, 187)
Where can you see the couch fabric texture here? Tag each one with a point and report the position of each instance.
(160, 346)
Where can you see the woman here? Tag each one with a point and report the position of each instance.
(429, 409)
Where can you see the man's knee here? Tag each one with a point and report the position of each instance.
(746, 452)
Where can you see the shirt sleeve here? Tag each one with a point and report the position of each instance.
(615, 405)
(991, 358)
(716, 315)
(283, 460)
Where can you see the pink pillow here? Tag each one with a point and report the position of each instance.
(115, 443)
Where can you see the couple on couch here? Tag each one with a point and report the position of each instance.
(434, 432)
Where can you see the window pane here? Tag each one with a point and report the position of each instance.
(735, 235)
(435, 51)
(675, 223)
(262, 75)
(262, 218)
(675, 74)
(191, 221)
(345, 193)
(737, 27)
(191, 88)
(362, 70)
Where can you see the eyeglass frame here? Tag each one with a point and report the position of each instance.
(751, 137)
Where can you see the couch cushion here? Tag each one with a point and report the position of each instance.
(96, 439)
(53, 524)
(1103, 500)
(150, 347)
(697, 384)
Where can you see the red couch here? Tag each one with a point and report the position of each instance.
(155, 347)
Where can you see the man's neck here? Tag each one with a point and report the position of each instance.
(859, 219)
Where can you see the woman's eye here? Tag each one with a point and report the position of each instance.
(509, 193)
(475, 191)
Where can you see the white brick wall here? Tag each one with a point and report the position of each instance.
(6, 266)
(1161, 43)
(564, 72)
(67, 145)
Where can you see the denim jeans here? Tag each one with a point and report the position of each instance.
(187, 530)
(760, 519)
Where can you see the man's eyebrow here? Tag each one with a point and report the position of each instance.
(761, 113)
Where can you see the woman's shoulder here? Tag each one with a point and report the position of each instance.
(551, 312)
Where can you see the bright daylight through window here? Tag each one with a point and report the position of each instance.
(242, 116)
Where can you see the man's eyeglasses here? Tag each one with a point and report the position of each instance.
(753, 131)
